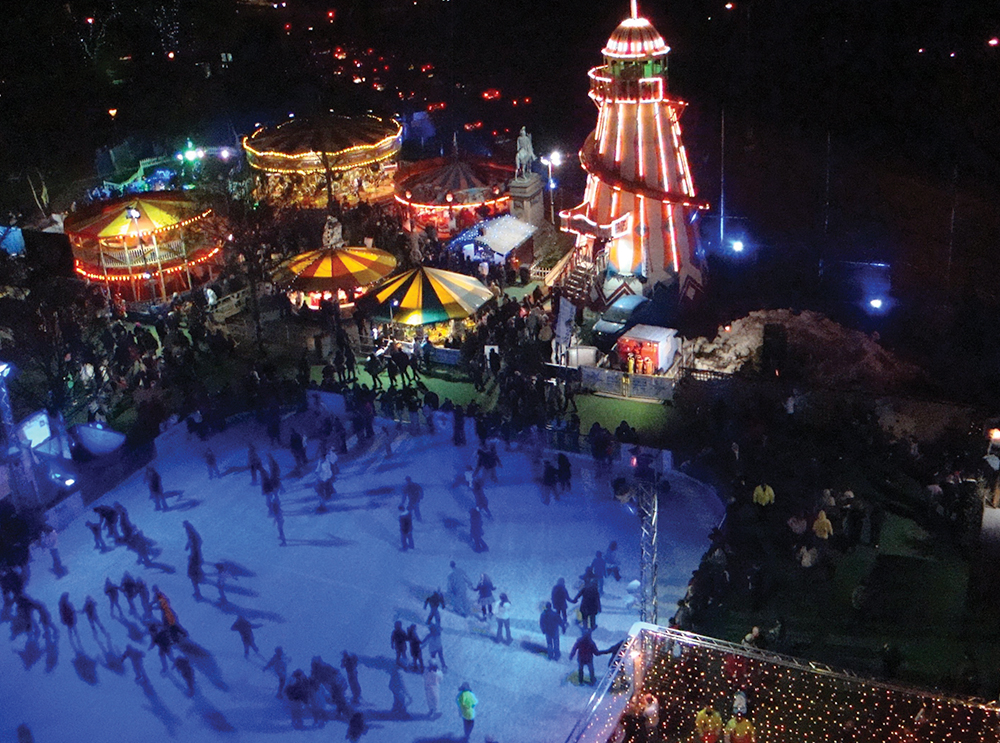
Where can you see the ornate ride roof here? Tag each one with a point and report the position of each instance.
(301, 145)
(635, 38)
(468, 183)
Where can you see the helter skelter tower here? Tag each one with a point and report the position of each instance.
(639, 213)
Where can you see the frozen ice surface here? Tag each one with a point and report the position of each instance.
(339, 584)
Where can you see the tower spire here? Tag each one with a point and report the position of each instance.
(635, 8)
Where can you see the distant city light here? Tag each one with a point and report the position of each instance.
(170, 55)
(952, 55)
(738, 246)
(994, 41)
(876, 304)
(730, 6)
(920, 50)
(90, 21)
(224, 153)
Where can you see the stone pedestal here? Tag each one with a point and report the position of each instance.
(526, 199)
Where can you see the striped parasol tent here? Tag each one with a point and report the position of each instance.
(134, 217)
(340, 268)
(427, 295)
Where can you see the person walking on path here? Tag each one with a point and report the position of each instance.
(254, 463)
(155, 484)
(502, 615)
(550, 625)
(485, 590)
(708, 724)
(183, 666)
(416, 654)
(561, 601)
(434, 646)
(211, 462)
(349, 662)
(279, 518)
(243, 626)
(278, 664)
(590, 603)
(406, 528)
(584, 649)
(432, 688)
(458, 590)
(467, 702)
(398, 641)
(413, 493)
(476, 530)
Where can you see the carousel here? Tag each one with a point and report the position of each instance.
(333, 272)
(307, 163)
(451, 194)
(154, 244)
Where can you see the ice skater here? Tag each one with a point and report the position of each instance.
(155, 485)
(90, 611)
(135, 656)
(406, 528)
(183, 666)
(476, 530)
(485, 589)
(584, 649)
(324, 675)
(254, 464)
(221, 571)
(502, 615)
(108, 517)
(196, 573)
(416, 654)
(550, 625)
(159, 636)
(433, 643)
(413, 493)
(432, 688)
(278, 664)
(550, 478)
(50, 541)
(245, 629)
(67, 615)
(111, 591)
(279, 518)
(95, 529)
(398, 641)
(211, 462)
(561, 601)
(356, 727)
(467, 708)
(349, 662)
(274, 472)
(436, 602)
(400, 697)
(458, 590)
(479, 493)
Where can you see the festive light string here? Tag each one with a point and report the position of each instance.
(451, 207)
(385, 148)
(146, 274)
(144, 233)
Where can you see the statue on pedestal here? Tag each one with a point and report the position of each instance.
(525, 155)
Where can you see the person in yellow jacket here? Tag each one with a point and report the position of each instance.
(822, 526)
(467, 707)
(708, 724)
(740, 730)
(763, 495)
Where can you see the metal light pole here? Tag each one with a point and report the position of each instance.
(553, 160)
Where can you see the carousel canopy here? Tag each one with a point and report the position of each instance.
(469, 183)
(134, 216)
(340, 268)
(427, 295)
(343, 142)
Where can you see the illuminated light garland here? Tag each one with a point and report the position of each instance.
(452, 207)
(385, 148)
(142, 233)
(619, 184)
(146, 273)
(673, 237)
(664, 173)
(620, 125)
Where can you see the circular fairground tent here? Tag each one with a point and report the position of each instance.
(339, 269)
(304, 162)
(452, 193)
(154, 237)
(427, 295)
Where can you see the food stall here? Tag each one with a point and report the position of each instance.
(647, 349)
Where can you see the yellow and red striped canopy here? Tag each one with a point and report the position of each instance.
(427, 295)
(139, 215)
(340, 268)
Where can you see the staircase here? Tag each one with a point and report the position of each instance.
(577, 284)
